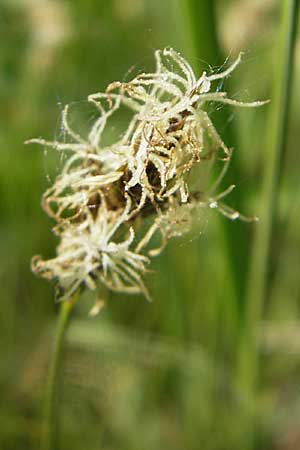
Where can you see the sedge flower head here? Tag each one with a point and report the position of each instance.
(104, 193)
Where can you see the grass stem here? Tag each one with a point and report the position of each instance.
(275, 147)
(276, 138)
(52, 414)
(203, 41)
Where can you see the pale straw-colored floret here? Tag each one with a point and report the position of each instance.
(173, 130)
(88, 167)
(89, 253)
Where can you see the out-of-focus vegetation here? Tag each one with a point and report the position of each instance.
(162, 375)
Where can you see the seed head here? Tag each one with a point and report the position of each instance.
(104, 193)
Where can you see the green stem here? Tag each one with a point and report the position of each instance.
(200, 26)
(275, 146)
(203, 41)
(259, 275)
(52, 415)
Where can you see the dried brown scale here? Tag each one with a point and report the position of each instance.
(94, 203)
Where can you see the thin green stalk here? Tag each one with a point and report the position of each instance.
(275, 148)
(203, 41)
(259, 275)
(200, 31)
(52, 407)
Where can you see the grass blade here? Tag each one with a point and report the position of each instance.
(275, 144)
(203, 41)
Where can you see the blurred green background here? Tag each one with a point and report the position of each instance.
(170, 374)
